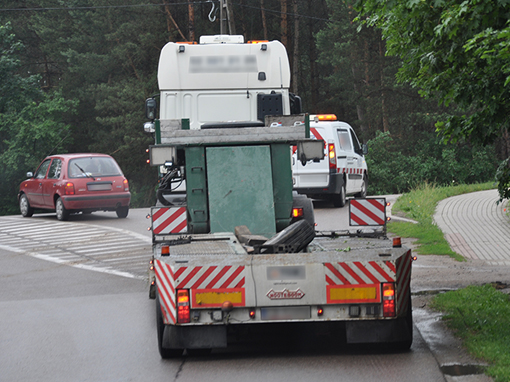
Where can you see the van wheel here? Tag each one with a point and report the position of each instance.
(340, 199)
(363, 191)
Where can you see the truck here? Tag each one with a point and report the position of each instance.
(237, 252)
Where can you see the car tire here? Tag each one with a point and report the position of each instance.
(165, 353)
(122, 212)
(24, 206)
(363, 190)
(62, 212)
(340, 199)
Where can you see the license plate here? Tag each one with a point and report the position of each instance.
(99, 187)
(286, 313)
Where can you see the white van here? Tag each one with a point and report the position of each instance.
(342, 172)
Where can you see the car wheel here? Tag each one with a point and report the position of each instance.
(160, 325)
(340, 199)
(24, 206)
(122, 212)
(363, 190)
(62, 212)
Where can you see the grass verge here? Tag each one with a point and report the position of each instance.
(420, 205)
(480, 315)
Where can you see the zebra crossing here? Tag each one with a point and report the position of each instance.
(103, 249)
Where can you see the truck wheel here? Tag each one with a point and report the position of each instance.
(62, 212)
(301, 201)
(122, 212)
(24, 206)
(340, 199)
(363, 191)
(165, 353)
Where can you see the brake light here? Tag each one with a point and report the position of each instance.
(332, 156)
(183, 313)
(257, 41)
(126, 185)
(69, 188)
(165, 250)
(297, 212)
(388, 300)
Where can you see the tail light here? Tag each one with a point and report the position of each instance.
(126, 185)
(332, 156)
(388, 290)
(69, 188)
(183, 313)
(297, 213)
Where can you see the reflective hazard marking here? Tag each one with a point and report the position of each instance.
(167, 220)
(367, 212)
(166, 290)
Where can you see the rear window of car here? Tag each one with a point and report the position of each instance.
(95, 166)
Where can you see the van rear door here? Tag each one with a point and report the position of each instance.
(313, 174)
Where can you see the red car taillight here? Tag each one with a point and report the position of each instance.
(126, 185)
(69, 188)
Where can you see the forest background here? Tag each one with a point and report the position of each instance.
(74, 76)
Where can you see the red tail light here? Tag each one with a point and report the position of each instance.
(183, 314)
(388, 290)
(332, 156)
(126, 185)
(69, 188)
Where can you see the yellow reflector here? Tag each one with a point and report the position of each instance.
(345, 294)
(218, 298)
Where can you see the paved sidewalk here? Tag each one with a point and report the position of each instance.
(476, 227)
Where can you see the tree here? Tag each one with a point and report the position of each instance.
(456, 51)
(31, 125)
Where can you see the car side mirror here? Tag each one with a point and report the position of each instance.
(30, 174)
(151, 108)
(364, 148)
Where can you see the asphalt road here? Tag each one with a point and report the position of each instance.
(63, 322)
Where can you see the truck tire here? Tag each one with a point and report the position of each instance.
(62, 212)
(295, 237)
(122, 212)
(363, 190)
(165, 353)
(24, 206)
(302, 201)
(340, 199)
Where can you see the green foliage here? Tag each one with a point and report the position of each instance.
(397, 165)
(420, 205)
(480, 315)
(457, 52)
(31, 125)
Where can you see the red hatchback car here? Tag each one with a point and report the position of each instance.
(71, 183)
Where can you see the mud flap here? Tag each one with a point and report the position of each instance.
(383, 331)
(197, 337)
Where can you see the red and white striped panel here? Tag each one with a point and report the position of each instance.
(167, 220)
(359, 273)
(367, 212)
(344, 170)
(403, 269)
(166, 289)
(212, 277)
